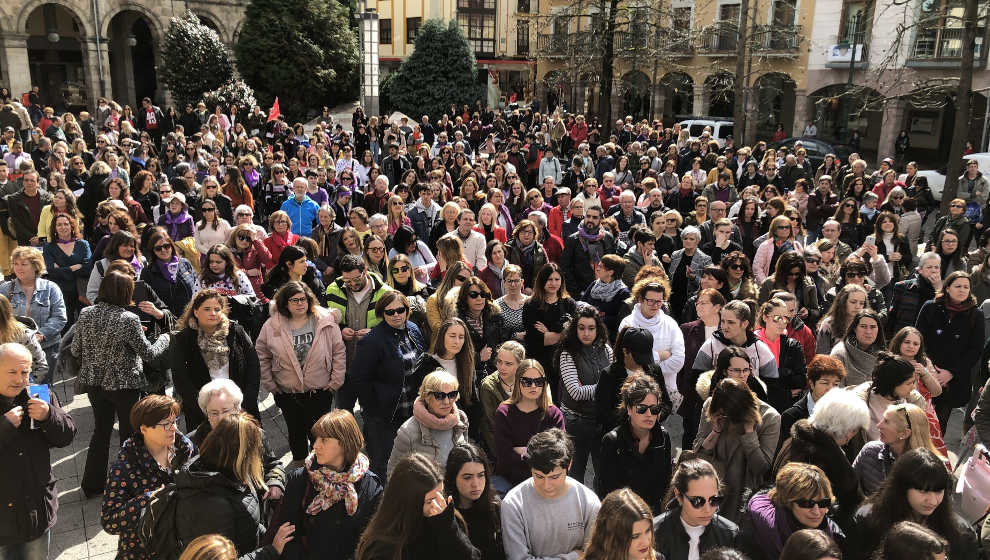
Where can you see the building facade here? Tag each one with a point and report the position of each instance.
(78, 50)
(498, 30)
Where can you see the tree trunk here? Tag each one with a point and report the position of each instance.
(739, 84)
(961, 127)
(608, 64)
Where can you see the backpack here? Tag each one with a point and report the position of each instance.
(157, 527)
(250, 312)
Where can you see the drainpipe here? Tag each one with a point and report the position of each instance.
(99, 53)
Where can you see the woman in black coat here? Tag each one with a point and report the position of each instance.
(952, 327)
(637, 453)
(327, 524)
(792, 372)
(169, 274)
(209, 343)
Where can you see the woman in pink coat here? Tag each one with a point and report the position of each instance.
(303, 360)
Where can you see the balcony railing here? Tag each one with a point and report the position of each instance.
(630, 45)
(944, 44)
(675, 42)
(776, 39)
(559, 44)
(720, 38)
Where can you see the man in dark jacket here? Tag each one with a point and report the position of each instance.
(583, 250)
(29, 428)
(822, 204)
(24, 211)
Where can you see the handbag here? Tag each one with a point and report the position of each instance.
(974, 486)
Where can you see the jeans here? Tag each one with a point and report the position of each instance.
(106, 405)
(301, 411)
(379, 435)
(587, 438)
(31, 550)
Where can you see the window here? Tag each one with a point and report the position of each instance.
(522, 38)
(480, 31)
(728, 15)
(855, 21)
(681, 19)
(523, 7)
(412, 29)
(385, 31)
(940, 30)
(784, 13)
(476, 4)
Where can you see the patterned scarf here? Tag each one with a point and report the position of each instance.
(591, 243)
(332, 486)
(214, 346)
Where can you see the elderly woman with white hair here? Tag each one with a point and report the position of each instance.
(686, 265)
(837, 423)
(221, 398)
(244, 215)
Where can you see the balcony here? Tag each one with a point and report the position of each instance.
(560, 45)
(631, 45)
(719, 39)
(776, 40)
(675, 43)
(942, 47)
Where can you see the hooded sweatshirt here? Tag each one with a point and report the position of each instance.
(760, 357)
(667, 335)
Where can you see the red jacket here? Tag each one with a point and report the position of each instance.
(807, 340)
(553, 246)
(499, 233)
(555, 221)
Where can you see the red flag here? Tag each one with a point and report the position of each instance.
(274, 112)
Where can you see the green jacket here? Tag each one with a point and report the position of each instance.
(337, 299)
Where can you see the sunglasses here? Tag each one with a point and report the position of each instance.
(398, 269)
(441, 396)
(209, 209)
(855, 275)
(463, 279)
(699, 501)
(162, 247)
(812, 260)
(957, 206)
(244, 238)
(395, 311)
(824, 503)
(737, 266)
(532, 381)
(643, 409)
(476, 294)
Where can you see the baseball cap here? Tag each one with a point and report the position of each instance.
(178, 196)
(563, 190)
(639, 342)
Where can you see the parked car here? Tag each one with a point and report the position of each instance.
(936, 178)
(721, 128)
(816, 149)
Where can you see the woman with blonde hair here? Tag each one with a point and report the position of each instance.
(450, 250)
(13, 330)
(210, 547)
(623, 529)
(436, 308)
(437, 424)
(396, 214)
(901, 428)
(446, 224)
(37, 298)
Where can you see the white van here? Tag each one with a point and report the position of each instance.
(720, 129)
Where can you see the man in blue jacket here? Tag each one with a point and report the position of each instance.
(302, 210)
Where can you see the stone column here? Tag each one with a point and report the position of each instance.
(893, 122)
(14, 57)
(803, 112)
(94, 59)
(701, 99)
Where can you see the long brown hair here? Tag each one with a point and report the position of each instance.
(11, 330)
(234, 447)
(613, 529)
(464, 358)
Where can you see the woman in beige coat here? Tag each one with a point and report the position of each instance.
(303, 360)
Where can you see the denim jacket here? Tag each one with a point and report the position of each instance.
(47, 307)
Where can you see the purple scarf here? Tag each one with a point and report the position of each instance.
(590, 242)
(170, 268)
(173, 221)
(252, 178)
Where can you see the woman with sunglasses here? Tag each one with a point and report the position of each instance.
(801, 498)
(740, 276)
(850, 223)
(212, 229)
(401, 277)
(691, 525)
(302, 360)
(437, 425)
(475, 306)
(918, 489)
(637, 453)
(790, 275)
(782, 238)
(168, 273)
(528, 411)
(773, 321)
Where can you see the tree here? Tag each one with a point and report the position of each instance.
(962, 104)
(439, 72)
(194, 59)
(302, 51)
(233, 92)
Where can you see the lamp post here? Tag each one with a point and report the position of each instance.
(852, 69)
(368, 30)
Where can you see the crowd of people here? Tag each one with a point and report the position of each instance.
(478, 333)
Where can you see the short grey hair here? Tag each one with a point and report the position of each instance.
(839, 412)
(216, 388)
(927, 256)
(538, 216)
(691, 230)
(376, 218)
(243, 209)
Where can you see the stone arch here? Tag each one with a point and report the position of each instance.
(678, 95)
(215, 23)
(237, 32)
(720, 88)
(837, 111)
(133, 44)
(30, 6)
(634, 87)
(775, 98)
(156, 25)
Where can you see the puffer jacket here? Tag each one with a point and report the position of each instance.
(272, 465)
(281, 371)
(414, 437)
(28, 489)
(211, 502)
(672, 541)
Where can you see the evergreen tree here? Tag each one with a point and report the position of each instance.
(194, 59)
(439, 72)
(302, 51)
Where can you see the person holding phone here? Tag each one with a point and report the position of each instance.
(29, 427)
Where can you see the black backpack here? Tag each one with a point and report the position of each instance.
(157, 528)
(250, 312)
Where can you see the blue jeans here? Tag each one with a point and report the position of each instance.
(31, 550)
(379, 435)
(587, 437)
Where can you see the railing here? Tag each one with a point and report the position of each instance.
(675, 42)
(722, 37)
(559, 44)
(776, 38)
(629, 44)
(944, 43)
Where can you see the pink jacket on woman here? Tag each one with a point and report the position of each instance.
(281, 371)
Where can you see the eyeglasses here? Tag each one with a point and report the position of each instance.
(173, 423)
(394, 311)
(848, 205)
(218, 414)
(957, 206)
(376, 249)
(441, 396)
(208, 209)
(805, 503)
(398, 269)
(278, 172)
(699, 501)
(162, 247)
(739, 371)
(784, 227)
(855, 274)
(475, 294)
(396, 203)
(299, 300)
(653, 302)
(643, 409)
(812, 260)
(244, 237)
(778, 318)
(532, 381)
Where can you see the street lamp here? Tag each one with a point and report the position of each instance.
(369, 58)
